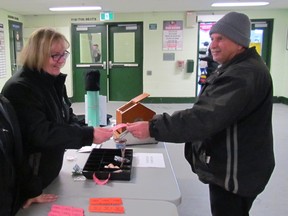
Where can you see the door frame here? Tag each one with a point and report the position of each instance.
(106, 56)
(266, 45)
(15, 43)
(267, 37)
(137, 89)
(101, 66)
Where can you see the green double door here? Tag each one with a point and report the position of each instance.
(116, 50)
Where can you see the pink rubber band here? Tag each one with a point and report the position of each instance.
(122, 125)
(98, 181)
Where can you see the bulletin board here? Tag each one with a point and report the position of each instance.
(2, 53)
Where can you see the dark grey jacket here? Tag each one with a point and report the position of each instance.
(228, 131)
(46, 119)
(17, 182)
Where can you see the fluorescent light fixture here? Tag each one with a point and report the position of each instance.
(239, 4)
(77, 8)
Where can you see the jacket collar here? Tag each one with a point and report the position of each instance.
(240, 57)
(44, 77)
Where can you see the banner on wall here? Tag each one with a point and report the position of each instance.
(204, 37)
(173, 35)
(2, 53)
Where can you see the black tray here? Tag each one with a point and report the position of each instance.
(99, 158)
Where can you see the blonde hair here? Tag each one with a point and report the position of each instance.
(37, 50)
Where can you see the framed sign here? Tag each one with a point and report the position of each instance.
(173, 35)
(287, 40)
(2, 53)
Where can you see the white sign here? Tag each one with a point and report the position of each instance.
(173, 35)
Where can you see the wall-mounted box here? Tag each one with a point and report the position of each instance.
(190, 66)
(134, 111)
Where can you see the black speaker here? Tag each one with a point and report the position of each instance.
(92, 80)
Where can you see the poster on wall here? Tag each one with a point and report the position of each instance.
(257, 40)
(203, 46)
(173, 35)
(2, 53)
(204, 36)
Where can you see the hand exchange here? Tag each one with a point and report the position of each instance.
(139, 129)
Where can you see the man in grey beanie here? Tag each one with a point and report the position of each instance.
(228, 131)
(235, 26)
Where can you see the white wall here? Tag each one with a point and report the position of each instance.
(166, 79)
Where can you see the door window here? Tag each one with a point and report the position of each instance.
(90, 47)
(124, 47)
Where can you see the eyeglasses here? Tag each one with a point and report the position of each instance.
(57, 57)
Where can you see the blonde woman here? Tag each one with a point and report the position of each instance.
(38, 94)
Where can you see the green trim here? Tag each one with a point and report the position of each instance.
(169, 100)
(162, 100)
(280, 100)
(192, 100)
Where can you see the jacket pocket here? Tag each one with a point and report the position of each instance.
(189, 156)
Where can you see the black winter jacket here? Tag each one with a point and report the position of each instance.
(17, 182)
(46, 119)
(228, 131)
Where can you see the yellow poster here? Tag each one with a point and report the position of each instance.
(257, 46)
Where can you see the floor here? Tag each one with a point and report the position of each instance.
(195, 198)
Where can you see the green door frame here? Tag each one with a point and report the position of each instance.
(267, 26)
(15, 43)
(79, 68)
(115, 76)
(126, 78)
(264, 24)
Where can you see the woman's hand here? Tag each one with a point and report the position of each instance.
(102, 134)
(43, 198)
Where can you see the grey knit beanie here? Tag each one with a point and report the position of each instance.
(235, 26)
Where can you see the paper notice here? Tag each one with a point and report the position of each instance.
(148, 160)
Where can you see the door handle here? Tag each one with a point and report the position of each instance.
(110, 64)
(130, 65)
(92, 65)
(124, 65)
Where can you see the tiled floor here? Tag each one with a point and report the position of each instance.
(195, 199)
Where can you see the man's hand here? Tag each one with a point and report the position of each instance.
(139, 129)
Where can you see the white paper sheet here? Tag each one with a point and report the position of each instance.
(103, 110)
(148, 160)
(86, 149)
